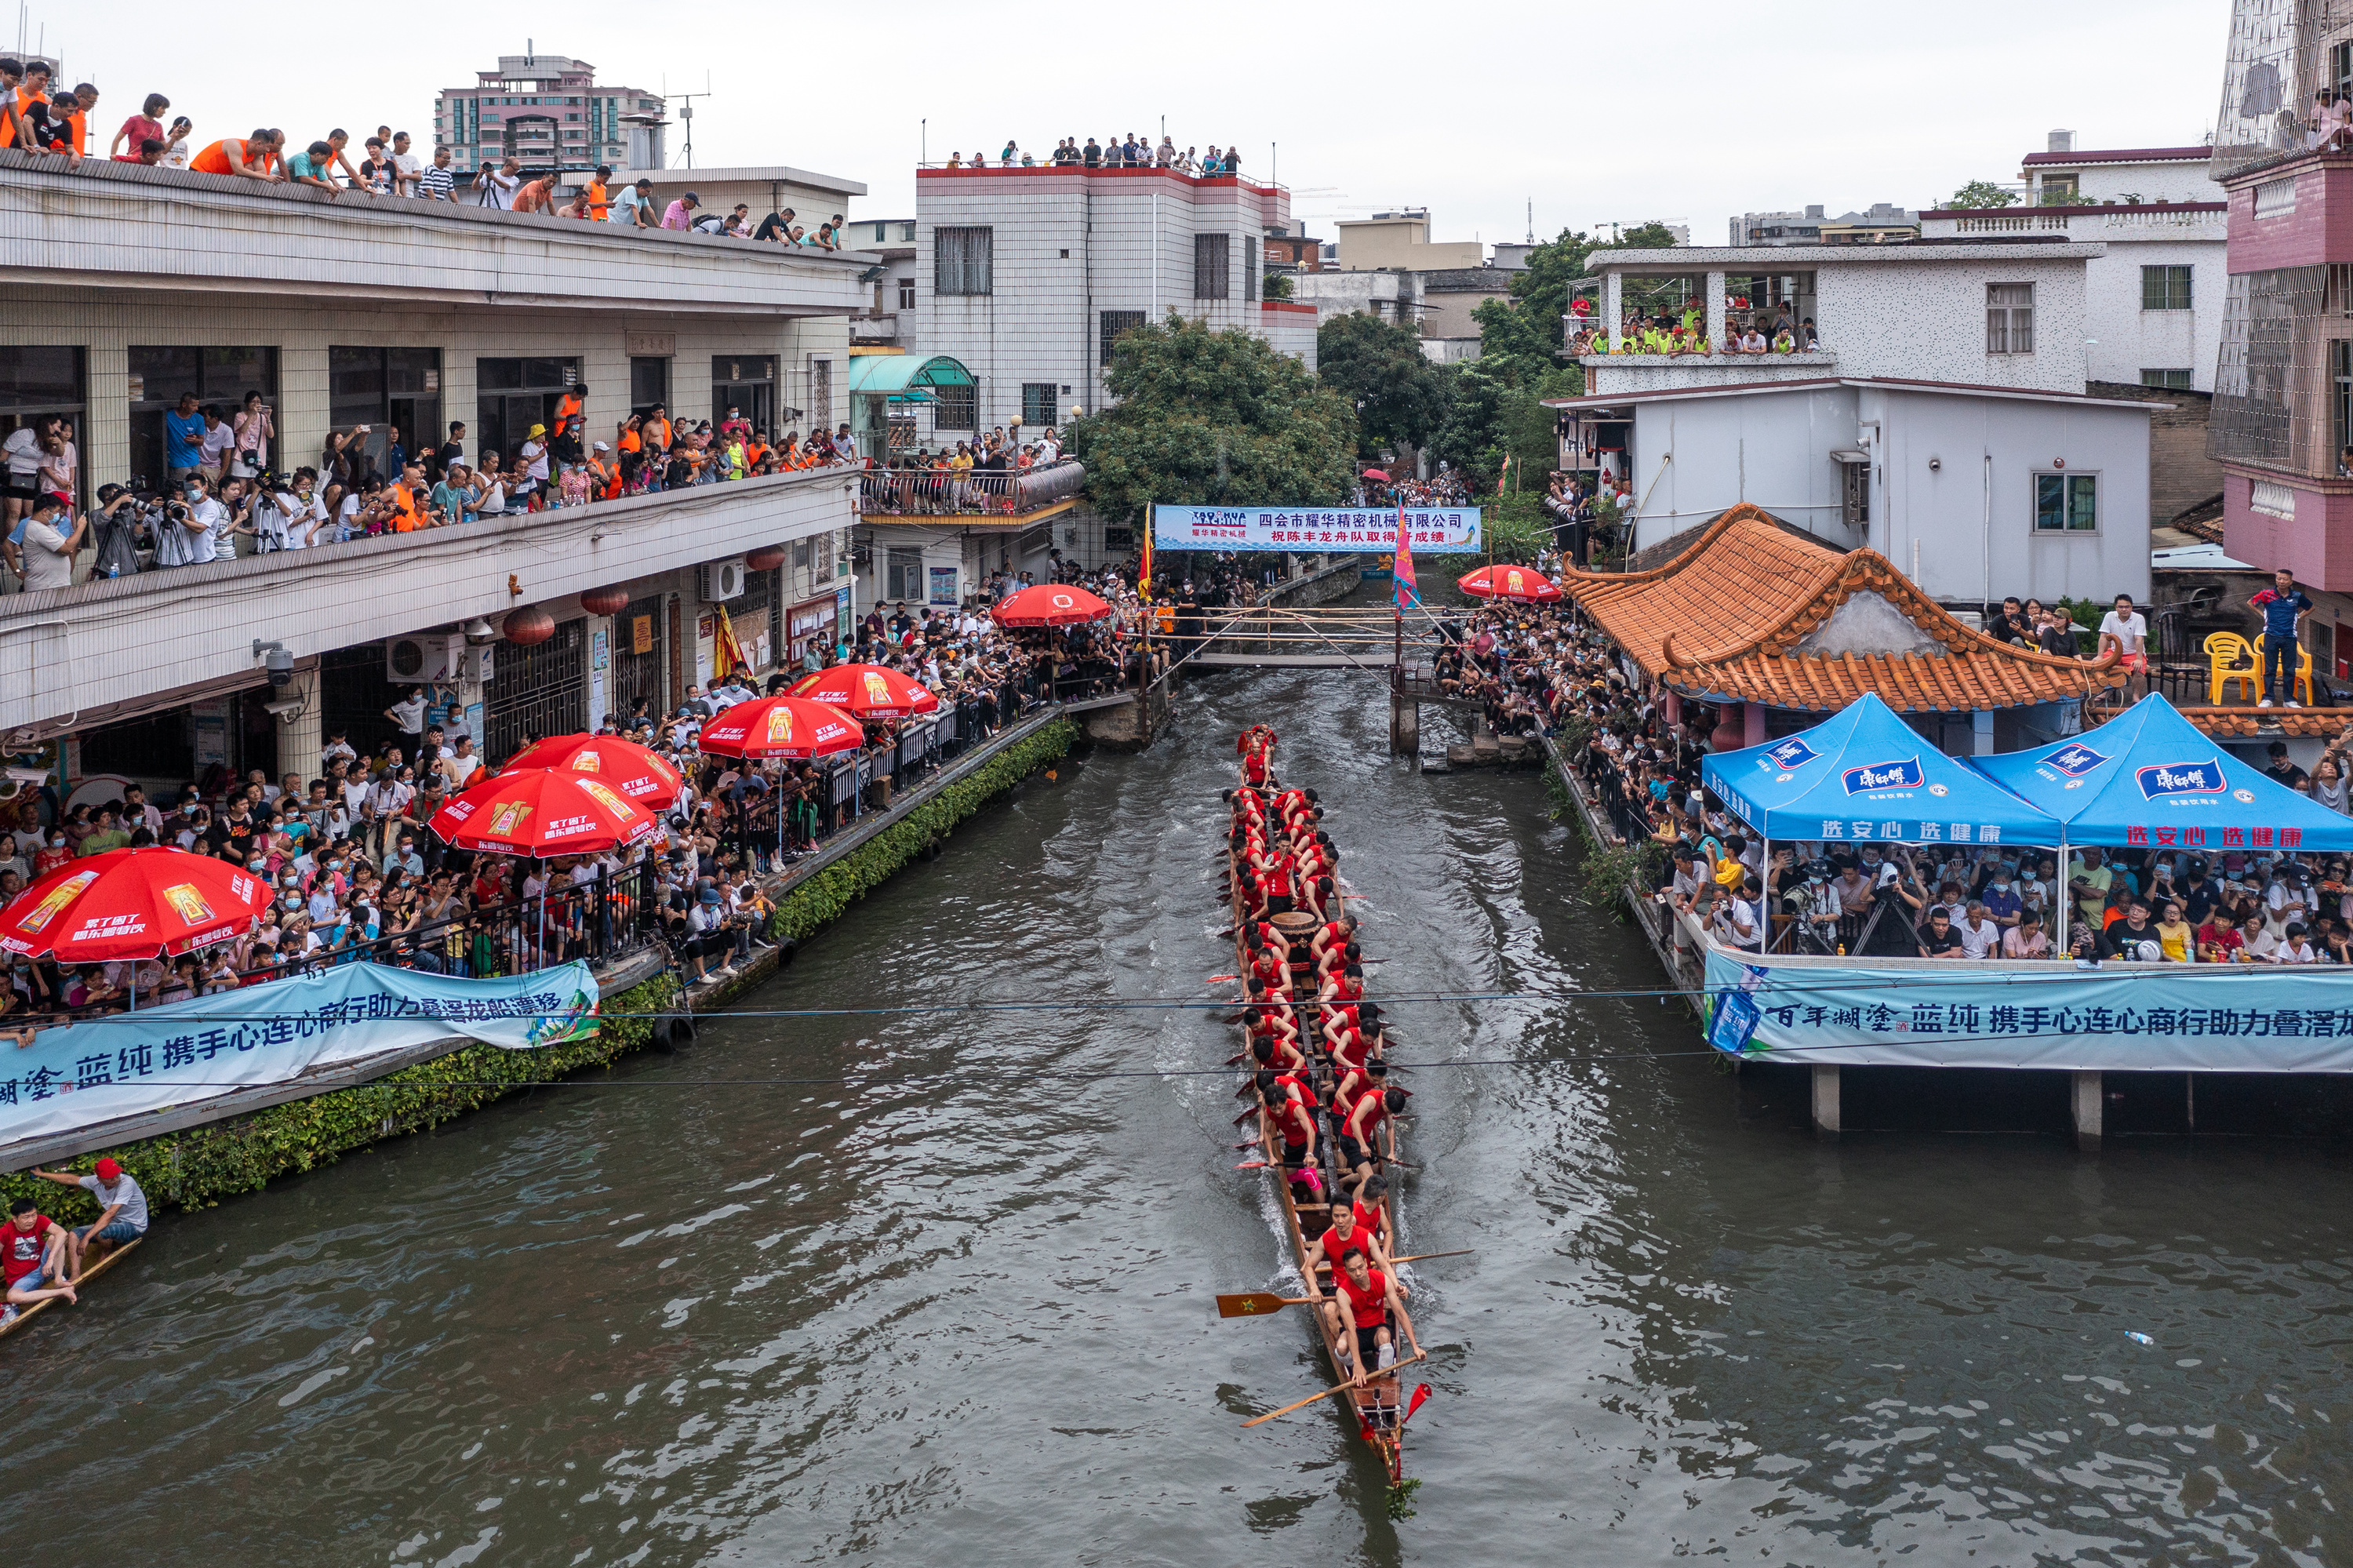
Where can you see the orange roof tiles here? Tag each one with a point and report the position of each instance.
(1724, 618)
(2248, 724)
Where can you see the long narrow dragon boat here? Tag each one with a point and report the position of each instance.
(1375, 1411)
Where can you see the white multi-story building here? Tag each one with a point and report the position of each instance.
(474, 316)
(550, 111)
(1026, 277)
(1942, 419)
(2152, 299)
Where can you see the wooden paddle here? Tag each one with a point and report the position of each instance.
(1336, 1388)
(1253, 1303)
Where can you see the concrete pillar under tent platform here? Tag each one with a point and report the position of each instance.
(2087, 1101)
(1826, 1101)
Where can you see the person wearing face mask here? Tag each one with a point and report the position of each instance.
(2000, 899)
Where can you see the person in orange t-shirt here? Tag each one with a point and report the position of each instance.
(406, 516)
(85, 100)
(254, 156)
(629, 440)
(600, 201)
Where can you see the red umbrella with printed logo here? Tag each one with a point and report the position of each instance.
(1522, 583)
(781, 726)
(1049, 604)
(866, 691)
(628, 767)
(134, 904)
(543, 811)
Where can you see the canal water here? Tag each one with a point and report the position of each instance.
(934, 1286)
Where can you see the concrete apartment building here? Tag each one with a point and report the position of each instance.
(409, 314)
(1399, 241)
(1943, 420)
(1875, 225)
(2152, 299)
(550, 111)
(1026, 277)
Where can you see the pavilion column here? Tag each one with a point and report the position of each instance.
(1673, 707)
(1716, 312)
(1752, 719)
(1613, 295)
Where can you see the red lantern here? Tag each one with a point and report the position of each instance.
(605, 601)
(766, 558)
(528, 626)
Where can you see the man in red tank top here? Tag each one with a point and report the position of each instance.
(1369, 1299)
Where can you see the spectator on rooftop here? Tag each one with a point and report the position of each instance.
(139, 129)
(437, 183)
(634, 207)
(253, 157)
(680, 213)
(498, 186)
(310, 167)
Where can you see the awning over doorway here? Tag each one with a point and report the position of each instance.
(905, 377)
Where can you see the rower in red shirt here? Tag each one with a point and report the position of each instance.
(1359, 1148)
(1343, 1236)
(1369, 1298)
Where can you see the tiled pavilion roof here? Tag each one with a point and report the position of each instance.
(1747, 613)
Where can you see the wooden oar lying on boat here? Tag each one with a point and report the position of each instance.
(1336, 1388)
(1255, 1303)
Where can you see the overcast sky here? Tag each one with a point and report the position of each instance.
(1593, 112)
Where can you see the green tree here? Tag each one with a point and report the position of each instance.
(1378, 367)
(1213, 418)
(1983, 193)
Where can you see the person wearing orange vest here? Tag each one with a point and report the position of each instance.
(628, 438)
(604, 474)
(85, 100)
(33, 89)
(254, 156)
(600, 201)
(406, 516)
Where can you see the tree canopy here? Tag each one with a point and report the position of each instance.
(1983, 193)
(1213, 418)
(1378, 367)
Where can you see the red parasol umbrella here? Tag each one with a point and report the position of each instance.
(1521, 583)
(1380, 473)
(866, 691)
(1049, 604)
(781, 726)
(134, 904)
(542, 811)
(628, 767)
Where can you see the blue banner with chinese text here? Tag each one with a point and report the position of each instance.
(1316, 530)
(2233, 1018)
(82, 1075)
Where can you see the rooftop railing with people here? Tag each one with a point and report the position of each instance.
(937, 492)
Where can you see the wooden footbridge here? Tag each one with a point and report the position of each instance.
(1322, 637)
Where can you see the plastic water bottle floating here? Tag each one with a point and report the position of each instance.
(2138, 1337)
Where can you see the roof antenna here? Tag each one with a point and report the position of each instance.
(1532, 220)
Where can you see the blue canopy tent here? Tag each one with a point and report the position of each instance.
(2151, 778)
(1864, 774)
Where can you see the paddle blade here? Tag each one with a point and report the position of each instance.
(1420, 1392)
(1215, 980)
(1250, 1304)
(1254, 1165)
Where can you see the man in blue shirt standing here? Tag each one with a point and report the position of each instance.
(2284, 606)
(183, 439)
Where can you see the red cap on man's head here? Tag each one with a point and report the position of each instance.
(108, 1170)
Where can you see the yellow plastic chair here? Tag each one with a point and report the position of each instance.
(2230, 659)
(2225, 650)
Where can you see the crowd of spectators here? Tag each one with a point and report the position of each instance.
(360, 874)
(1543, 670)
(975, 476)
(222, 496)
(1119, 153)
(1751, 332)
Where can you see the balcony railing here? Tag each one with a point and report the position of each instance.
(975, 492)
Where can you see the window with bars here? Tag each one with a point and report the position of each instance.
(1115, 324)
(959, 409)
(963, 260)
(2066, 503)
(2173, 380)
(2340, 399)
(1038, 403)
(2165, 288)
(1212, 275)
(2009, 318)
(1249, 268)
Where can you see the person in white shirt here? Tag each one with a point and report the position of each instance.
(460, 766)
(193, 544)
(533, 454)
(407, 168)
(2296, 949)
(2126, 630)
(336, 746)
(497, 187)
(1980, 936)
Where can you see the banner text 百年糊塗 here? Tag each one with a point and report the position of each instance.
(84, 1074)
(1314, 531)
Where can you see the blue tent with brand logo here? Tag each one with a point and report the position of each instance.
(1865, 774)
(2150, 776)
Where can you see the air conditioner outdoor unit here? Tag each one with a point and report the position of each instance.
(720, 581)
(418, 661)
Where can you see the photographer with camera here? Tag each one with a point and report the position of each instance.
(184, 537)
(114, 533)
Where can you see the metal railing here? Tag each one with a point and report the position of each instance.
(974, 493)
